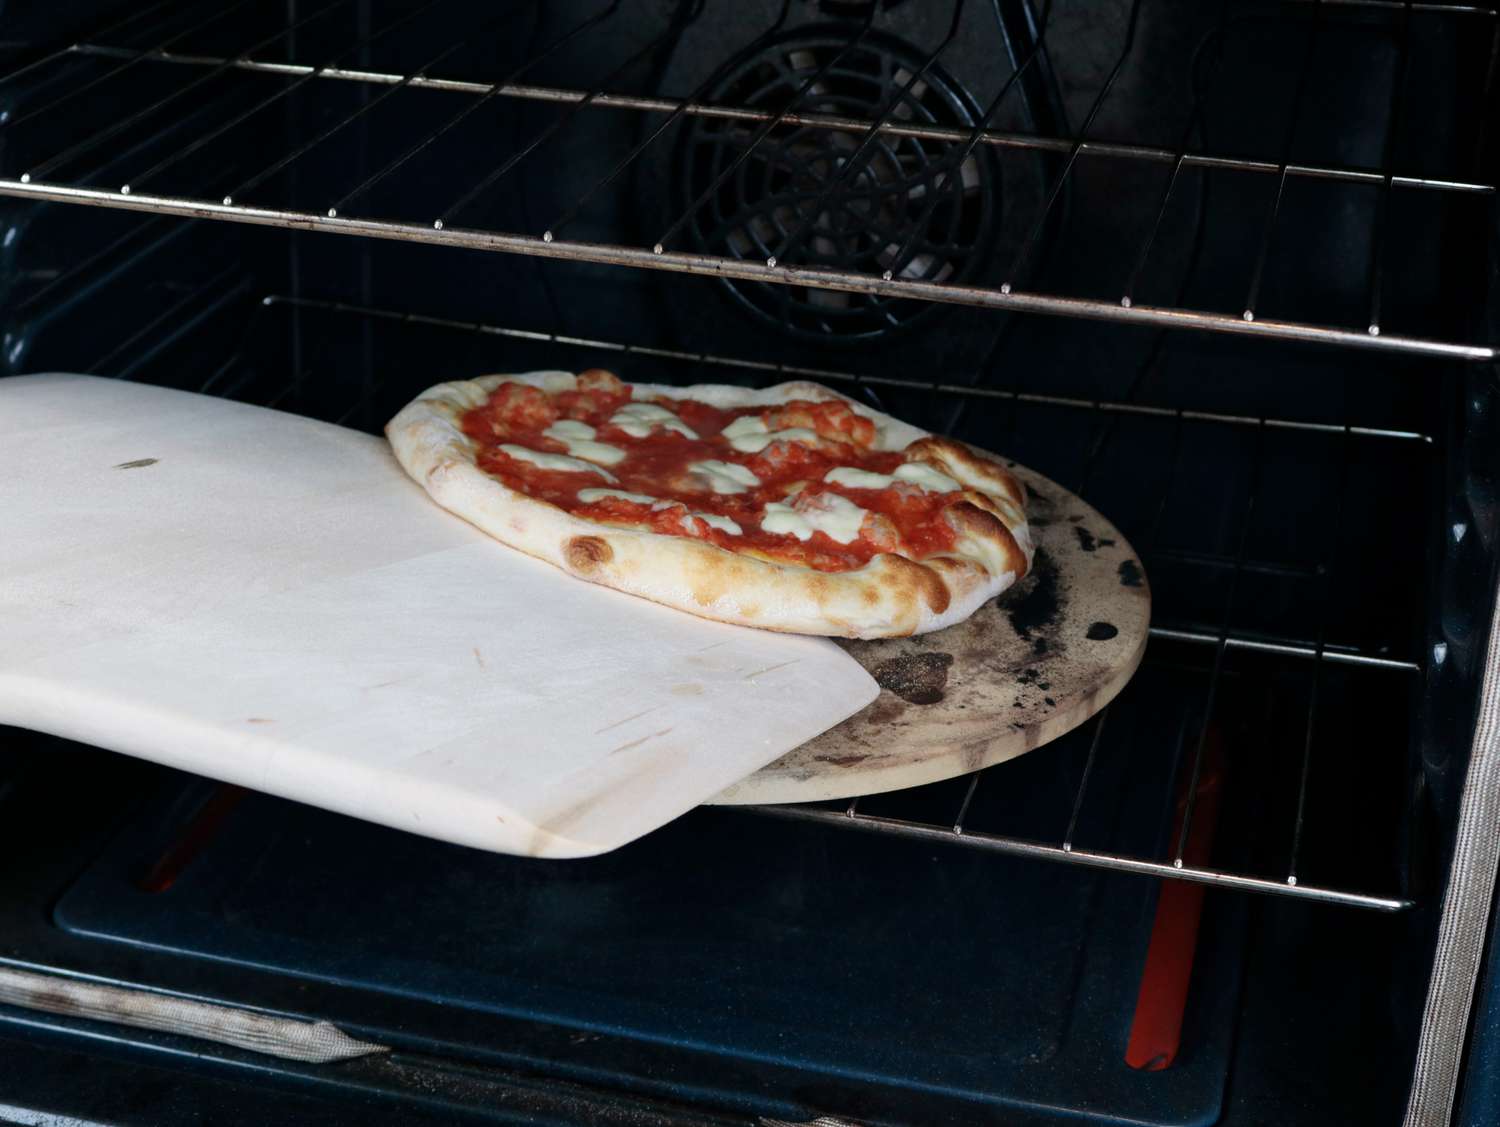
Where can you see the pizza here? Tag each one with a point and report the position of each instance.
(788, 508)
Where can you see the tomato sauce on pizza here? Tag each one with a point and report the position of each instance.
(797, 482)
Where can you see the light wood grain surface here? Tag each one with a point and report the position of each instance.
(269, 600)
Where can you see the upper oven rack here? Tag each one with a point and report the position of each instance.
(439, 222)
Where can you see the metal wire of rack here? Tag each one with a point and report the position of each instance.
(1309, 657)
(42, 175)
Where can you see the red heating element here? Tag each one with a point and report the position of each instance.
(1156, 1030)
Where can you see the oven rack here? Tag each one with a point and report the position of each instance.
(1213, 650)
(40, 174)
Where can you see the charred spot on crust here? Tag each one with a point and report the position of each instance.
(715, 574)
(587, 554)
(1130, 573)
(1101, 631)
(1008, 483)
(918, 678)
(949, 566)
(929, 448)
(1086, 539)
(923, 582)
(980, 501)
(965, 516)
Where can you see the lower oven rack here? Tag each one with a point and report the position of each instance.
(41, 169)
(1309, 664)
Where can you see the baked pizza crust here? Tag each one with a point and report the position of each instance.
(890, 596)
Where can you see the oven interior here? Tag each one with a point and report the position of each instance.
(1224, 270)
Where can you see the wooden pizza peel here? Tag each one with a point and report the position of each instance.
(270, 601)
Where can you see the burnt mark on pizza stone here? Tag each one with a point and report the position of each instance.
(1089, 542)
(1035, 612)
(139, 463)
(1130, 573)
(917, 678)
(842, 760)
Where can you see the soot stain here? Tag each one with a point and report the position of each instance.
(1039, 609)
(1130, 573)
(1028, 676)
(1086, 539)
(1101, 631)
(916, 678)
(139, 463)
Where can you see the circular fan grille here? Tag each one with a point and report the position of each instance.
(916, 209)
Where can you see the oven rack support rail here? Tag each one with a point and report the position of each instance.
(40, 180)
(1313, 653)
(1177, 869)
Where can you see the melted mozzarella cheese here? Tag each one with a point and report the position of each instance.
(745, 426)
(917, 473)
(924, 476)
(569, 430)
(589, 496)
(579, 439)
(637, 420)
(554, 461)
(723, 524)
(783, 520)
(724, 477)
(853, 478)
(755, 443)
(837, 517)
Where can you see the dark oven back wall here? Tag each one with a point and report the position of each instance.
(83, 289)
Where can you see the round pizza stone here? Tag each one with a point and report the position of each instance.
(1022, 670)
